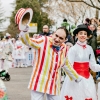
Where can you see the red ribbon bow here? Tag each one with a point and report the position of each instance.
(68, 98)
(89, 99)
(84, 46)
(19, 47)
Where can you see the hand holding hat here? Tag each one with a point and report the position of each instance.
(26, 28)
(24, 31)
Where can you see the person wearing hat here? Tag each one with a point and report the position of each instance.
(19, 53)
(81, 57)
(45, 78)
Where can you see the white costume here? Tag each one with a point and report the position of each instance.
(19, 53)
(1, 49)
(29, 57)
(82, 58)
(25, 61)
(7, 54)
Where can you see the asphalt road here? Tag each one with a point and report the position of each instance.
(17, 86)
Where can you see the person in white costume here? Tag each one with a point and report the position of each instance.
(1, 49)
(3, 91)
(6, 55)
(25, 61)
(19, 53)
(81, 57)
(13, 40)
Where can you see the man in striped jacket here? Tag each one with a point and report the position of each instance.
(52, 51)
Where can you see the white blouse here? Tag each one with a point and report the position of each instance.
(79, 54)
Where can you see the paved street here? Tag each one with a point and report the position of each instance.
(17, 86)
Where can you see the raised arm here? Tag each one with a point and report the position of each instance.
(31, 42)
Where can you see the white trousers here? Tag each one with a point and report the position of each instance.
(42, 96)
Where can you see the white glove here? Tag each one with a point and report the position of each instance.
(35, 35)
(24, 31)
(78, 80)
(26, 28)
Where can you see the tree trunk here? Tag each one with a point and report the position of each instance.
(97, 13)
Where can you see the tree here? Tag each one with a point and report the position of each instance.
(1, 15)
(1, 19)
(94, 4)
(73, 12)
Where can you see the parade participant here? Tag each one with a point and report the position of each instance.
(6, 55)
(28, 56)
(13, 40)
(45, 78)
(3, 91)
(19, 53)
(81, 57)
(1, 48)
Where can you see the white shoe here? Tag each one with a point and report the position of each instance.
(25, 66)
(21, 66)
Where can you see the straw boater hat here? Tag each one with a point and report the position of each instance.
(23, 17)
(82, 27)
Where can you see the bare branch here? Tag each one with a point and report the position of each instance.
(91, 5)
(92, 2)
(99, 1)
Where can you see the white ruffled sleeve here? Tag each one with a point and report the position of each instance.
(93, 65)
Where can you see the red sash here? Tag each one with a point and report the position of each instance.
(82, 69)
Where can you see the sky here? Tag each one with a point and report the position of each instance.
(8, 8)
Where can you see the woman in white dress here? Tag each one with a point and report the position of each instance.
(82, 58)
(6, 55)
(19, 53)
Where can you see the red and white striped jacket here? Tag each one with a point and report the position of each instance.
(47, 67)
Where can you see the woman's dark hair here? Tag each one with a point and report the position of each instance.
(66, 31)
(87, 20)
(64, 20)
(2, 37)
(7, 37)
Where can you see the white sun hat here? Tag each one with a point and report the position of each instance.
(7, 34)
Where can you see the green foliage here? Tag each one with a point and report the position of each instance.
(39, 17)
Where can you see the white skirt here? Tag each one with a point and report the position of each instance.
(7, 64)
(85, 89)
